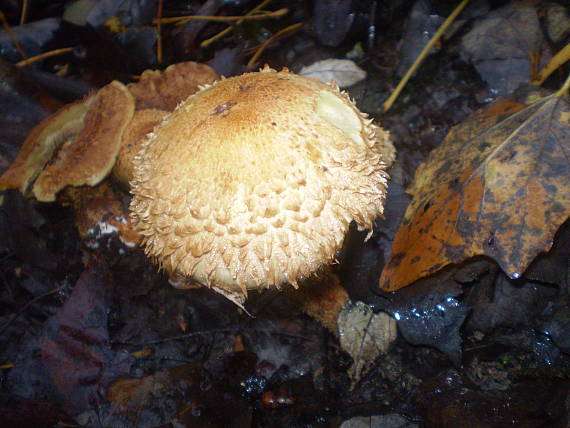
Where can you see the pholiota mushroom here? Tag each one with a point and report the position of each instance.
(82, 142)
(253, 182)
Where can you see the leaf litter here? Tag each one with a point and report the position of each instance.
(300, 377)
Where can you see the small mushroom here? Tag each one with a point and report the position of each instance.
(83, 141)
(165, 90)
(253, 181)
(142, 124)
(88, 157)
(55, 152)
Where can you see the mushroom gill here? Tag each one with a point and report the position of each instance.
(253, 181)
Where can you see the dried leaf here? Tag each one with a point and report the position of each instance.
(497, 186)
(364, 335)
(342, 71)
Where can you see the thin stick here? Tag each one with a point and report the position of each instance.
(183, 19)
(228, 30)
(388, 103)
(24, 12)
(27, 305)
(285, 31)
(159, 32)
(557, 60)
(179, 337)
(12, 36)
(565, 87)
(44, 55)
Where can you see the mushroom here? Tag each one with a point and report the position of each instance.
(83, 141)
(253, 182)
(77, 145)
(69, 154)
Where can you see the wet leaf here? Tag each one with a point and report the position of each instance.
(432, 312)
(364, 335)
(130, 396)
(72, 358)
(507, 46)
(75, 349)
(98, 13)
(332, 20)
(186, 395)
(32, 37)
(497, 186)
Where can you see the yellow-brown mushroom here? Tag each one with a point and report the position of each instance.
(253, 181)
(75, 146)
(83, 141)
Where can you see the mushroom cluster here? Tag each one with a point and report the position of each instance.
(84, 141)
(253, 181)
(248, 183)
(72, 151)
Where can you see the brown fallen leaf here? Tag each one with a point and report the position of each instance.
(498, 186)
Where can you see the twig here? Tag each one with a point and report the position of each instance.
(179, 337)
(557, 60)
(12, 36)
(183, 19)
(228, 30)
(24, 13)
(27, 305)
(209, 332)
(287, 30)
(388, 103)
(44, 55)
(159, 31)
(565, 87)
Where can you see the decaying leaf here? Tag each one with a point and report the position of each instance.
(131, 396)
(498, 186)
(364, 335)
(342, 71)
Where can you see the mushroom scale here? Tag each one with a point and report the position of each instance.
(253, 181)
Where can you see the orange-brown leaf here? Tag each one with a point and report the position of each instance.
(498, 186)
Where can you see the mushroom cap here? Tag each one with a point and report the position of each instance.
(165, 90)
(142, 123)
(253, 181)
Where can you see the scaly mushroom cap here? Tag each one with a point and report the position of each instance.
(253, 181)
